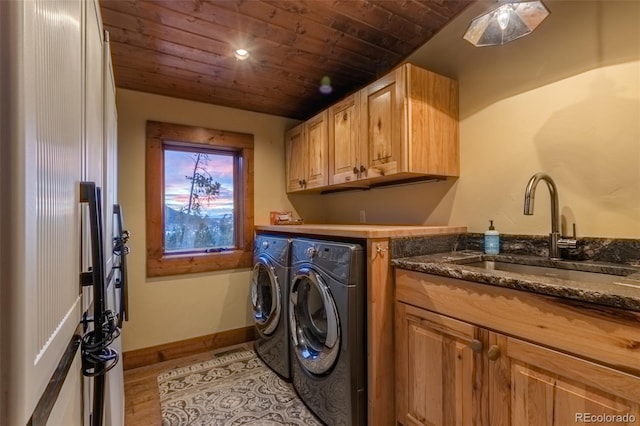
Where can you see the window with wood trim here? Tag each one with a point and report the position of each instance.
(199, 199)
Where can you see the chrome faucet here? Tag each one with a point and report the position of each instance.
(555, 240)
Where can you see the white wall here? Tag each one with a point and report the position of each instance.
(564, 100)
(587, 139)
(170, 309)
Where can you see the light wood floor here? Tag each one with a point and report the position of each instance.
(141, 397)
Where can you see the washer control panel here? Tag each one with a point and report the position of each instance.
(272, 246)
(311, 252)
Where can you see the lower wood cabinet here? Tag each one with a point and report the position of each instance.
(533, 385)
(440, 371)
(454, 372)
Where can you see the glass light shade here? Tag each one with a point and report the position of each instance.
(506, 23)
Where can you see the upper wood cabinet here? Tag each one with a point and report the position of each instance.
(402, 126)
(306, 152)
(383, 127)
(295, 158)
(345, 157)
(410, 125)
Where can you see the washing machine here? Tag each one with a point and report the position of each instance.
(327, 315)
(269, 299)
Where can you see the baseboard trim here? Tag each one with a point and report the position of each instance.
(155, 354)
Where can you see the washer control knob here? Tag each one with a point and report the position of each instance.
(265, 245)
(311, 252)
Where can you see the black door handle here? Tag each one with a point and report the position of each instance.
(121, 250)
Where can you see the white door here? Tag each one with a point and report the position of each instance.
(52, 110)
(114, 390)
(42, 106)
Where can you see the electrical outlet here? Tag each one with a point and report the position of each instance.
(363, 216)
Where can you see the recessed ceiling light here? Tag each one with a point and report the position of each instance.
(241, 54)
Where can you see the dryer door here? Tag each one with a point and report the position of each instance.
(314, 322)
(265, 297)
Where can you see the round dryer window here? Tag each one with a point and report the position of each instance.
(314, 322)
(265, 297)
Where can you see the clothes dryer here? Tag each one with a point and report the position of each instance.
(327, 313)
(269, 293)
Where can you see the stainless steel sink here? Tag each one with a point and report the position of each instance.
(545, 271)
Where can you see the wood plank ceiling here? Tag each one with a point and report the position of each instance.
(184, 48)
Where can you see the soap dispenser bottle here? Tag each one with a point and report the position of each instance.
(491, 240)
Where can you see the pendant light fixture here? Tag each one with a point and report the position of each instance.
(506, 23)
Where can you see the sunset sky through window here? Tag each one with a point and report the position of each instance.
(179, 165)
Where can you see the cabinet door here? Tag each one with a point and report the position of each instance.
(383, 124)
(296, 158)
(440, 369)
(432, 141)
(344, 157)
(317, 142)
(532, 385)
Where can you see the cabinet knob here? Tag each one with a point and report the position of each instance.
(476, 345)
(345, 116)
(362, 169)
(300, 182)
(493, 353)
(355, 170)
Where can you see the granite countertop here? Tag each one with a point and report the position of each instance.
(620, 292)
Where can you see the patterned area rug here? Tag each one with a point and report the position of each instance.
(234, 389)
